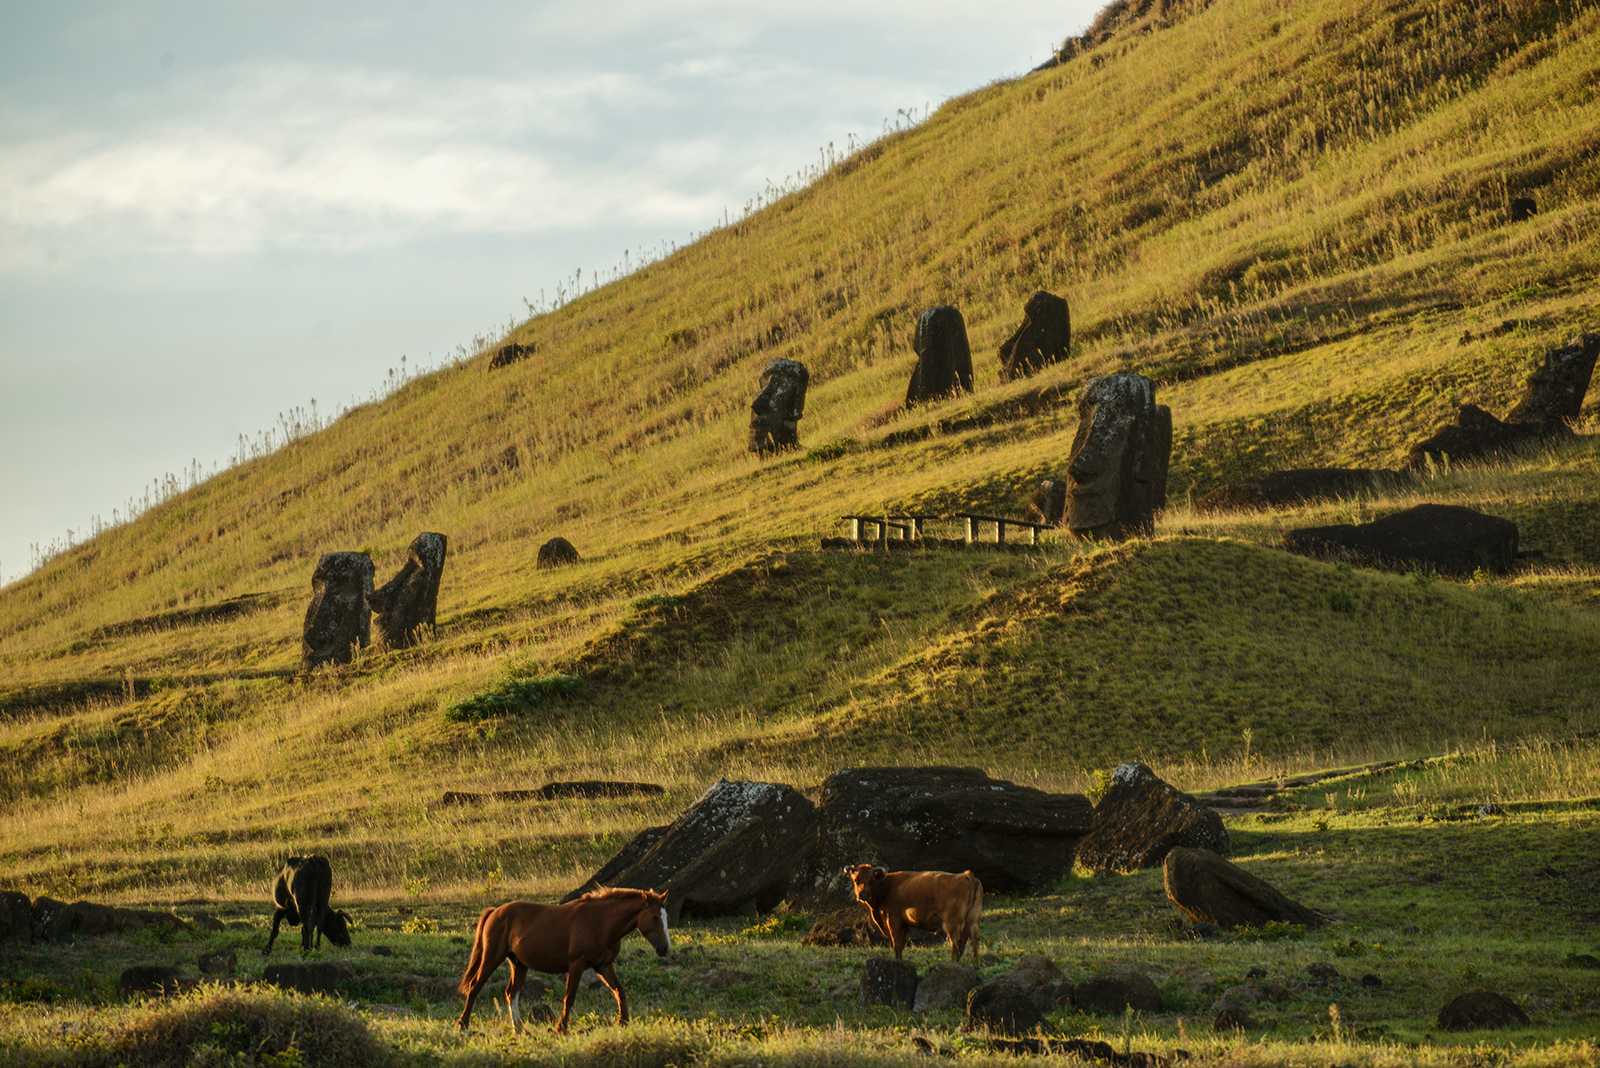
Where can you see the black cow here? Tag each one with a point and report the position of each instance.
(301, 896)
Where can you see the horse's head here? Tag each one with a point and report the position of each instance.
(652, 922)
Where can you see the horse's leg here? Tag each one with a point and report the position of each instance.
(608, 975)
(472, 995)
(519, 973)
(574, 973)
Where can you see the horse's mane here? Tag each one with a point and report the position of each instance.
(618, 891)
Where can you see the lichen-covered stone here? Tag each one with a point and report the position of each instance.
(1119, 458)
(407, 604)
(1141, 819)
(338, 621)
(1208, 889)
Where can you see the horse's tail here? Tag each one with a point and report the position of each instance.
(476, 960)
(974, 914)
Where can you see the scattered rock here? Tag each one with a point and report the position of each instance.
(775, 413)
(1115, 991)
(1044, 337)
(1446, 538)
(1323, 972)
(1000, 1008)
(944, 359)
(218, 962)
(16, 917)
(337, 620)
(734, 851)
(205, 921)
(717, 978)
(945, 984)
(553, 791)
(1482, 1010)
(162, 979)
(1234, 1019)
(1048, 503)
(58, 921)
(1056, 992)
(315, 977)
(408, 603)
(1207, 888)
(886, 981)
(382, 951)
(853, 926)
(1582, 960)
(1119, 458)
(1372, 982)
(1278, 489)
(557, 552)
(510, 353)
(1014, 838)
(1140, 819)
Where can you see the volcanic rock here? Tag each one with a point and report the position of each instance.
(315, 977)
(1043, 338)
(1001, 1008)
(1116, 991)
(1208, 889)
(886, 981)
(1446, 538)
(1481, 1010)
(945, 984)
(944, 359)
(1048, 503)
(337, 619)
(775, 413)
(407, 604)
(557, 552)
(1120, 454)
(1141, 819)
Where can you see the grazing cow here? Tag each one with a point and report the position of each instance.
(926, 900)
(301, 898)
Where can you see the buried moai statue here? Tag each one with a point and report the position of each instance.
(1043, 338)
(775, 413)
(409, 601)
(1119, 458)
(337, 621)
(944, 359)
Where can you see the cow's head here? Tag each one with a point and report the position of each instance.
(862, 876)
(335, 926)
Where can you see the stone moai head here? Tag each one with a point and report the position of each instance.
(409, 602)
(944, 359)
(775, 413)
(1119, 458)
(1044, 337)
(337, 621)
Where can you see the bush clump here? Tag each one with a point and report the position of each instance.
(511, 696)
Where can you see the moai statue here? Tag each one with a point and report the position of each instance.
(1043, 338)
(1119, 458)
(410, 600)
(337, 622)
(1048, 503)
(944, 359)
(776, 411)
(557, 552)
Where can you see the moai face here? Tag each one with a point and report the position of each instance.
(775, 413)
(1119, 458)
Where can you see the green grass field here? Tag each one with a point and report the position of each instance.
(1293, 217)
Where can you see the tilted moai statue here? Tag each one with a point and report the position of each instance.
(944, 359)
(337, 621)
(776, 411)
(410, 600)
(1043, 338)
(1119, 458)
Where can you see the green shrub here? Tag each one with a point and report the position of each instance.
(512, 696)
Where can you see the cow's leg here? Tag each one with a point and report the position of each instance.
(278, 915)
(897, 935)
(608, 976)
(574, 973)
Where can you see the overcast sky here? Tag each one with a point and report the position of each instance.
(211, 213)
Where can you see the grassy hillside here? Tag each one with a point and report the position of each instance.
(1292, 216)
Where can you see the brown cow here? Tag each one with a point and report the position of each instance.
(926, 900)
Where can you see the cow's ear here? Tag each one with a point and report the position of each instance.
(879, 873)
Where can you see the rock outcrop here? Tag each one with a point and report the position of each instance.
(1014, 838)
(1120, 455)
(1481, 1010)
(1208, 889)
(775, 413)
(1001, 1008)
(1044, 337)
(1115, 991)
(1446, 538)
(407, 604)
(944, 359)
(1141, 819)
(338, 621)
(734, 851)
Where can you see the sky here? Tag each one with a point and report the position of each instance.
(214, 213)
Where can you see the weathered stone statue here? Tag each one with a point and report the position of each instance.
(409, 601)
(1043, 338)
(1048, 503)
(776, 412)
(1119, 458)
(944, 359)
(1552, 398)
(337, 622)
(557, 552)
(1446, 538)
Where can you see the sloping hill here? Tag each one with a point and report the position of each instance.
(1294, 218)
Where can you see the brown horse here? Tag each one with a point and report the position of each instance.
(586, 933)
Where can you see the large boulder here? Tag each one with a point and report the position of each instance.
(338, 621)
(1446, 538)
(1481, 1010)
(1014, 838)
(946, 984)
(775, 413)
(886, 981)
(734, 851)
(557, 552)
(944, 359)
(1281, 489)
(159, 979)
(1043, 338)
(1119, 458)
(314, 977)
(1117, 991)
(1141, 819)
(407, 604)
(1208, 889)
(16, 917)
(1048, 503)
(1001, 1008)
